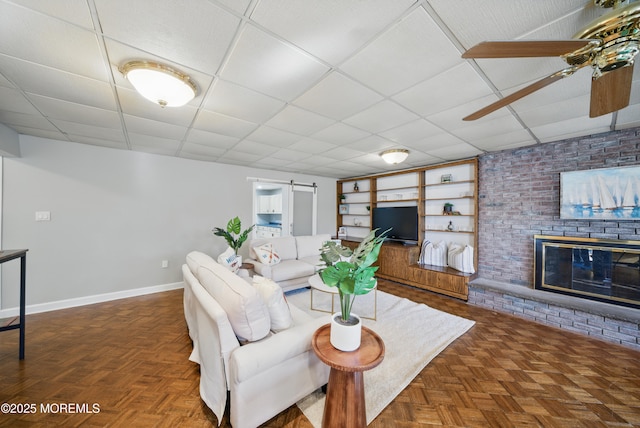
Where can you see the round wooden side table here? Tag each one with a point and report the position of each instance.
(345, 404)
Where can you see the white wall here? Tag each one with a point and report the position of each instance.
(115, 215)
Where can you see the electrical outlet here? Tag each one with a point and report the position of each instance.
(43, 215)
(165, 264)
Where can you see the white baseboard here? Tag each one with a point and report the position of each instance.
(89, 300)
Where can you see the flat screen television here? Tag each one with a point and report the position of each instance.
(403, 222)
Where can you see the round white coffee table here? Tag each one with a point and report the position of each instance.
(316, 284)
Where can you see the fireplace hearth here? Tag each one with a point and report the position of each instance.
(596, 269)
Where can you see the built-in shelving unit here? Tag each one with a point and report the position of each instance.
(354, 211)
(429, 188)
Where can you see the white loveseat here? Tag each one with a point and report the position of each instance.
(299, 259)
(267, 373)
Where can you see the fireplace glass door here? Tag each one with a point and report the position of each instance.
(600, 272)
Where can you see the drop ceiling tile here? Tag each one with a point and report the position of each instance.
(5, 83)
(72, 112)
(342, 153)
(382, 116)
(232, 100)
(574, 87)
(457, 86)
(42, 133)
(299, 121)
(572, 128)
(73, 128)
(274, 137)
(239, 6)
(58, 44)
(373, 143)
(284, 71)
(200, 150)
(417, 158)
(198, 157)
(311, 145)
(487, 128)
(340, 133)
(84, 139)
(338, 97)
(239, 157)
(13, 100)
(390, 69)
(211, 139)
(412, 132)
(269, 163)
(252, 147)
(12, 119)
(330, 30)
(548, 113)
(451, 119)
(510, 73)
(506, 140)
(139, 125)
(473, 22)
(196, 35)
(290, 155)
(368, 160)
(74, 11)
(151, 144)
(39, 80)
(221, 124)
(317, 160)
(629, 117)
(437, 142)
(455, 151)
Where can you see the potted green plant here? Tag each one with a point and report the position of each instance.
(353, 274)
(232, 234)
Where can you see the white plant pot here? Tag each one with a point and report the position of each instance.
(345, 337)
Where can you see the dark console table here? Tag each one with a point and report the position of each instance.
(5, 256)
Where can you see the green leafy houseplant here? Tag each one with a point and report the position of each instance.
(232, 234)
(351, 271)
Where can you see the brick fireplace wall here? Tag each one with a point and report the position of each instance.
(519, 197)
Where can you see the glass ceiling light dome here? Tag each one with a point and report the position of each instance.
(159, 84)
(394, 156)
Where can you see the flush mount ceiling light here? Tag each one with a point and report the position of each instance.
(394, 156)
(159, 84)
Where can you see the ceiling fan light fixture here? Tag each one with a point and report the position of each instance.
(394, 156)
(159, 83)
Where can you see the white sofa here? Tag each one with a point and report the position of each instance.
(299, 259)
(264, 375)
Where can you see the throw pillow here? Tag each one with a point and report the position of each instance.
(434, 253)
(273, 297)
(461, 258)
(230, 260)
(245, 309)
(266, 254)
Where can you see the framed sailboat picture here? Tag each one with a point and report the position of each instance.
(606, 194)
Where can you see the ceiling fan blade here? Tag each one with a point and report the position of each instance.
(611, 91)
(525, 48)
(520, 94)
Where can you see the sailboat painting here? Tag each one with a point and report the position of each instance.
(606, 194)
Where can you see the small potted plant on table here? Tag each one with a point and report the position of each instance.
(352, 272)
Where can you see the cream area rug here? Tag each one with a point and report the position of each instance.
(413, 335)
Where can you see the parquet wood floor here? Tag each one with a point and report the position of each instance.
(130, 357)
